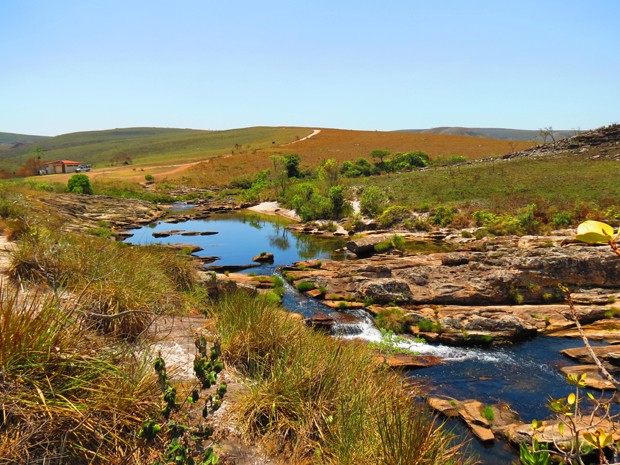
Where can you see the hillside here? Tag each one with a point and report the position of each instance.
(9, 139)
(347, 145)
(493, 133)
(578, 175)
(150, 145)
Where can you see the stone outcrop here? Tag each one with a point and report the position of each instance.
(475, 297)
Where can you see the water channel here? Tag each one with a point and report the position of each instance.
(523, 375)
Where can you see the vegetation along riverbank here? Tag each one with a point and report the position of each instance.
(459, 248)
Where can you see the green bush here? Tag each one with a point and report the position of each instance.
(562, 219)
(306, 286)
(393, 215)
(149, 178)
(79, 184)
(428, 326)
(442, 216)
(373, 201)
(392, 319)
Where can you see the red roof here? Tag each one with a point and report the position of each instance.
(63, 162)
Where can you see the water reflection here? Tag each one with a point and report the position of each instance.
(241, 236)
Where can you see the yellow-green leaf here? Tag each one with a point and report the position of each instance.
(571, 398)
(561, 428)
(536, 424)
(594, 232)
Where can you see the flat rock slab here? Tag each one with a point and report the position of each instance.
(408, 361)
(593, 377)
(581, 354)
(172, 232)
(342, 304)
(181, 246)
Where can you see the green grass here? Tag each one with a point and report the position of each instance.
(320, 399)
(152, 145)
(506, 185)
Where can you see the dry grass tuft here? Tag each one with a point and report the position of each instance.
(313, 397)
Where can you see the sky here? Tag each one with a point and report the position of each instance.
(77, 65)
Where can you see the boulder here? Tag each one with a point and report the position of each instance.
(365, 246)
(263, 257)
(407, 361)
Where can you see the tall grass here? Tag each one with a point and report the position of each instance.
(118, 288)
(67, 397)
(316, 398)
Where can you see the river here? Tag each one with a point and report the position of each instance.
(523, 375)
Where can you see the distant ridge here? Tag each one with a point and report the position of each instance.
(9, 138)
(492, 133)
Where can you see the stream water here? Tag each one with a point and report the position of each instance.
(522, 375)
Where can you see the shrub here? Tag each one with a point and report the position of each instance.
(149, 178)
(393, 215)
(306, 286)
(428, 326)
(79, 184)
(562, 219)
(373, 201)
(391, 319)
(442, 216)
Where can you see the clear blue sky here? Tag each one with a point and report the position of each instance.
(74, 65)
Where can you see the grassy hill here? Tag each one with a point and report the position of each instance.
(150, 145)
(347, 145)
(8, 139)
(493, 133)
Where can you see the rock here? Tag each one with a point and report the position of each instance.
(408, 361)
(183, 247)
(172, 232)
(582, 355)
(320, 321)
(264, 257)
(593, 377)
(470, 412)
(447, 407)
(341, 304)
(385, 290)
(199, 233)
(365, 246)
(482, 433)
(315, 293)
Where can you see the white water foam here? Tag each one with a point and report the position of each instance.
(367, 331)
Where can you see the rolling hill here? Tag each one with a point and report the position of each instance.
(149, 145)
(8, 139)
(347, 145)
(493, 133)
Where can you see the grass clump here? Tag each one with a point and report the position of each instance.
(65, 392)
(306, 286)
(391, 319)
(120, 289)
(315, 396)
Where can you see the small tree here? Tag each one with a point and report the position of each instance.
(79, 184)
(380, 154)
(291, 163)
(329, 172)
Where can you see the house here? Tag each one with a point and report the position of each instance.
(61, 166)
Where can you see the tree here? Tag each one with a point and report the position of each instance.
(79, 184)
(338, 202)
(547, 133)
(373, 201)
(329, 172)
(291, 163)
(380, 154)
